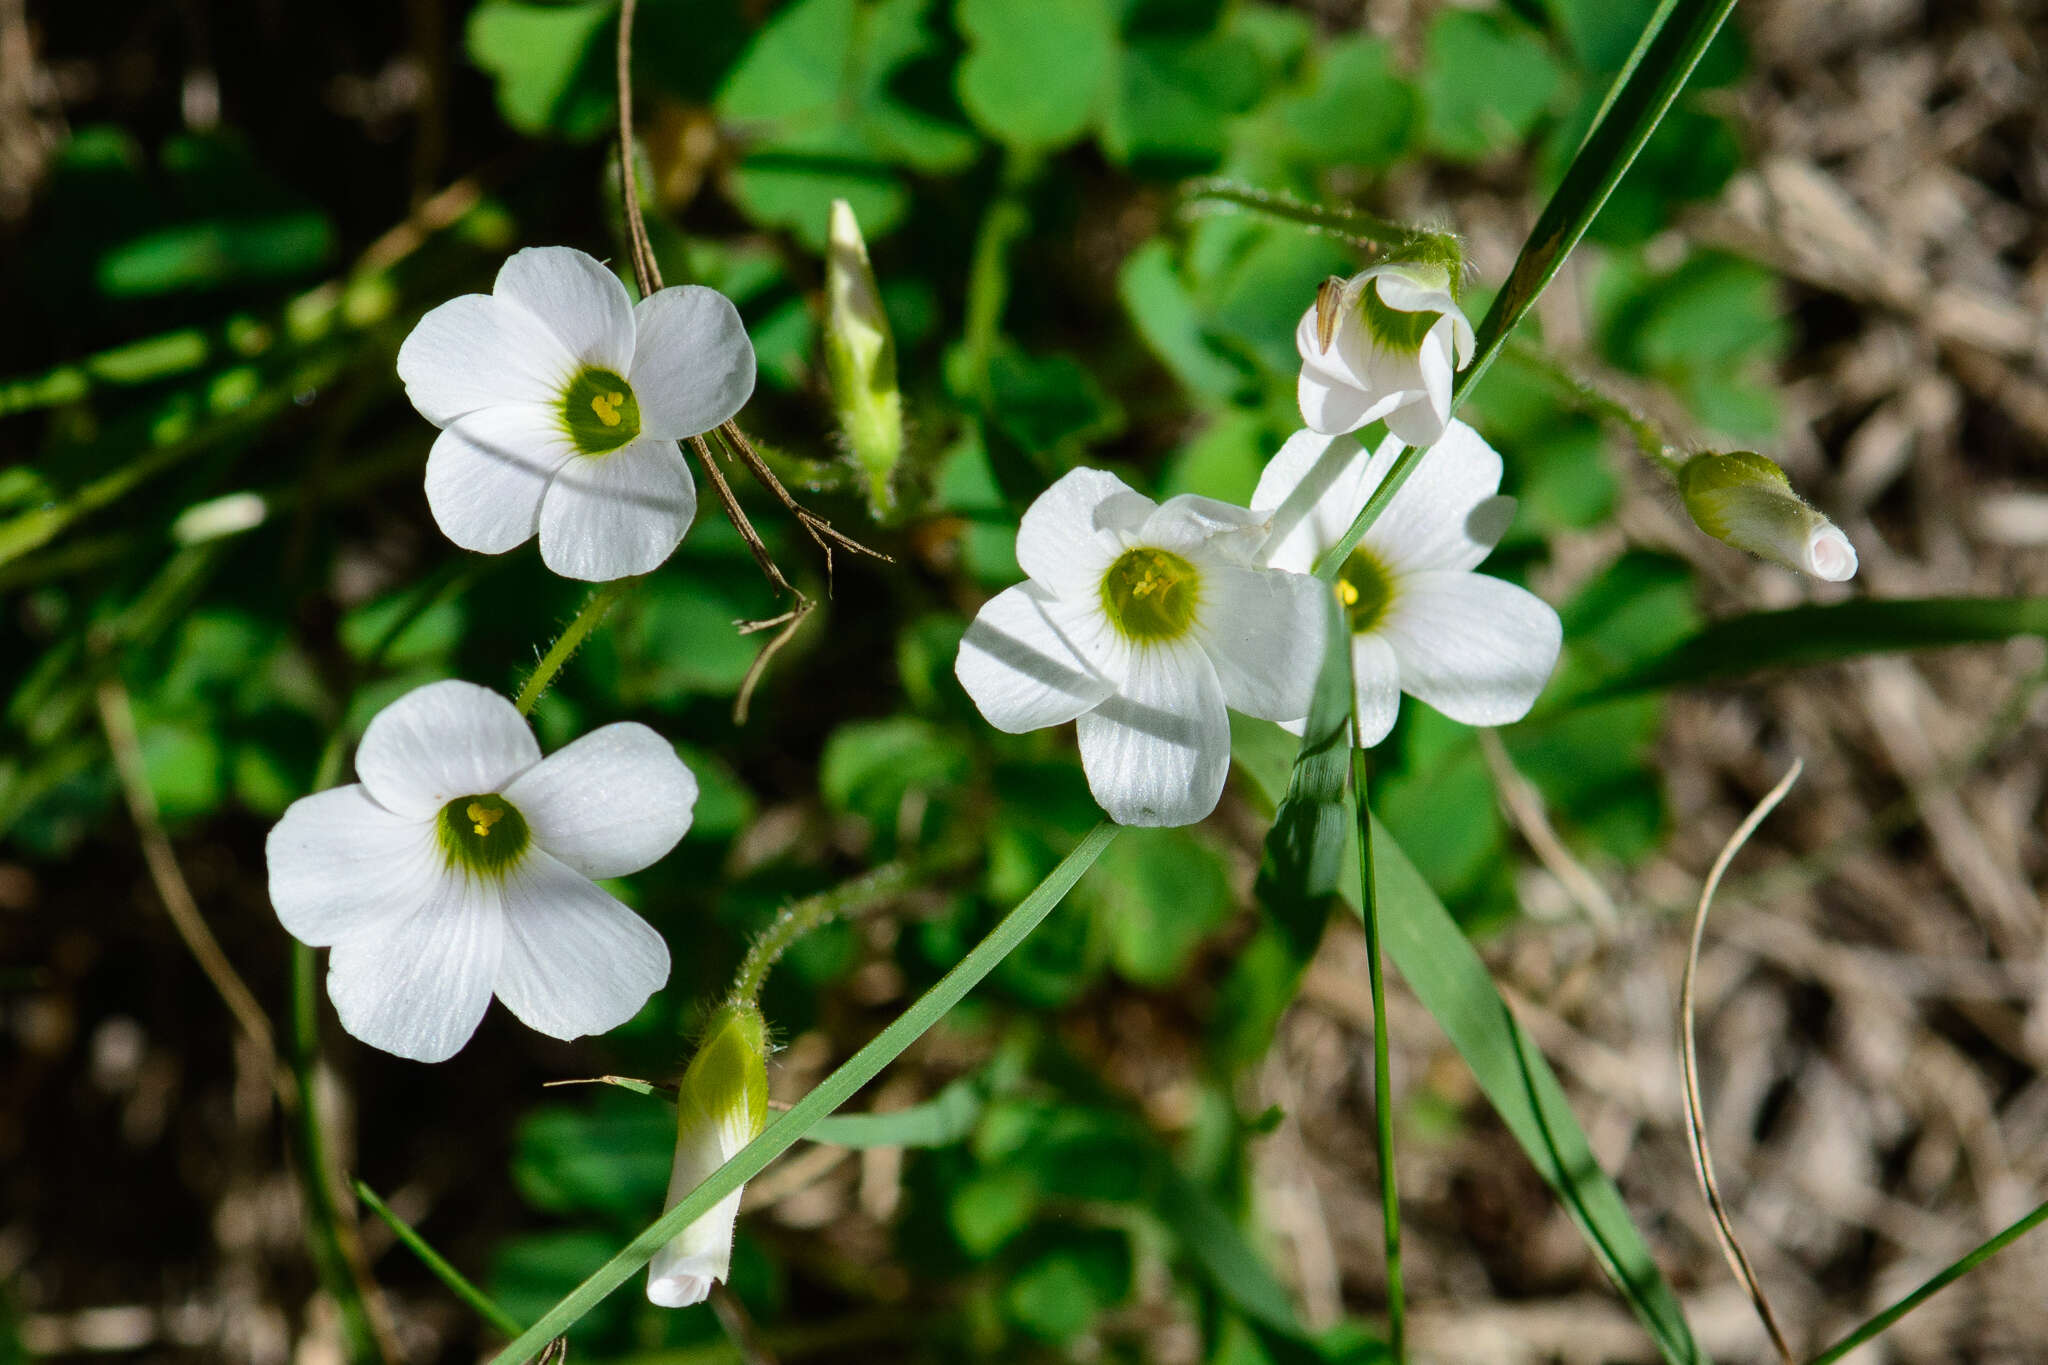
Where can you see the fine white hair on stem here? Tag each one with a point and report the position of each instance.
(1695, 1115)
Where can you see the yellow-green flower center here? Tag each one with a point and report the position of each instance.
(600, 411)
(1395, 328)
(482, 834)
(1151, 594)
(1365, 590)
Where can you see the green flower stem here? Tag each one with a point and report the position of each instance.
(438, 1264)
(1671, 46)
(332, 1241)
(1382, 1077)
(835, 1090)
(1883, 1321)
(988, 275)
(1583, 394)
(598, 606)
(800, 917)
(1354, 225)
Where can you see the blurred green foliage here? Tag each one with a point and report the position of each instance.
(217, 326)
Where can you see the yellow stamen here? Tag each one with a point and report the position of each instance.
(1347, 593)
(484, 817)
(606, 406)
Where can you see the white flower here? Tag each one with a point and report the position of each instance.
(721, 1106)
(1745, 500)
(1386, 352)
(1476, 648)
(462, 865)
(560, 404)
(1142, 622)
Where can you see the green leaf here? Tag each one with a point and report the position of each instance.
(1158, 893)
(1485, 81)
(812, 91)
(1035, 75)
(1354, 109)
(548, 62)
(944, 1119)
(1445, 973)
(1801, 637)
(870, 766)
(1161, 307)
(1303, 868)
(835, 1090)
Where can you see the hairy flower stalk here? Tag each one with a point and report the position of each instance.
(860, 361)
(721, 1106)
(1742, 499)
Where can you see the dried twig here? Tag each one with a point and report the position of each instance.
(1695, 1116)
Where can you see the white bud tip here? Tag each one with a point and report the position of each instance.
(1830, 556)
(678, 1291)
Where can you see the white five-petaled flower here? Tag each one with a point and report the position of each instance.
(1142, 622)
(1383, 347)
(560, 403)
(461, 865)
(1478, 649)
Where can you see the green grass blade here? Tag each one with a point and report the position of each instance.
(1302, 872)
(1442, 968)
(835, 1090)
(434, 1261)
(1803, 636)
(1671, 46)
(1883, 1321)
(1212, 1238)
(1382, 1072)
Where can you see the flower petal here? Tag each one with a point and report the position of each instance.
(1311, 488)
(1400, 290)
(576, 961)
(418, 987)
(695, 367)
(1331, 408)
(1478, 649)
(1191, 524)
(1061, 541)
(340, 864)
(1420, 420)
(1021, 668)
(477, 351)
(1375, 688)
(577, 298)
(682, 1272)
(441, 741)
(617, 515)
(1156, 752)
(611, 803)
(1263, 631)
(488, 470)
(1446, 515)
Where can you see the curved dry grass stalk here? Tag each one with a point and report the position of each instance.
(1695, 1115)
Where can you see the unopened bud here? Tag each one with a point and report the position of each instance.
(721, 1106)
(860, 360)
(1745, 500)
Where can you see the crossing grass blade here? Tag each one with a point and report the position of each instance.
(1447, 976)
(835, 1090)
(1934, 1285)
(1803, 636)
(1671, 45)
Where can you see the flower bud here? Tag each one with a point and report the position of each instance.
(860, 360)
(1745, 500)
(721, 1106)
